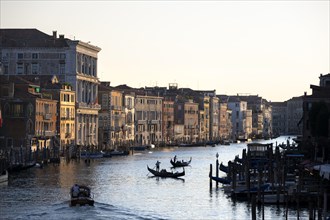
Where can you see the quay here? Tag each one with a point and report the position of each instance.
(268, 175)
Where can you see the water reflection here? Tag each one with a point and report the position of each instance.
(124, 189)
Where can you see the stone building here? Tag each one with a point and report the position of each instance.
(294, 115)
(225, 125)
(148, 113)
(241, 118)
(30, 52)
(129, 109)
(204, 119)
(29, 119)
(279, 118)
(214, 118)
(191, 130)
(168, 121)
(65, 96)
(316, 120)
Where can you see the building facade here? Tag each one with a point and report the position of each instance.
(148, 111)
(30, 52)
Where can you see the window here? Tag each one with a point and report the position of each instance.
(35, 68)
(19, 55)
(35, 56)
(62, 56)
(62, 68)
(19, 68)
(5, 69)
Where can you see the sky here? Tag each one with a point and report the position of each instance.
(271, 48)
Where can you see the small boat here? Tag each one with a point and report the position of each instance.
(164, 173)
(4, 177)
(139, 148)
(81, 195)
(116, 153)
(178, 163)
(20, 167)
(220, 180)
(223, 168)
(91, 155)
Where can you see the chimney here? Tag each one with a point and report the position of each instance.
(61, 36)
(54, 34)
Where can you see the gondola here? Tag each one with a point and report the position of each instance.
(220, 180)
(177, 163)
(223, 168)
(164, 173)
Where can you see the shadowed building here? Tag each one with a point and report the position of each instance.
(30, 52)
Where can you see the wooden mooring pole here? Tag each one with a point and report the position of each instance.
(210, 175)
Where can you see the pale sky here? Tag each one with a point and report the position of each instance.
(274, 49)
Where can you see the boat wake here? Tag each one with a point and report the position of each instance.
(98, 211)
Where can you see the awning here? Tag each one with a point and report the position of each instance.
(324, 170)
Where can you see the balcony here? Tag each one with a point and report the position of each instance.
(47, 116)
(88, 106)
(49, 133)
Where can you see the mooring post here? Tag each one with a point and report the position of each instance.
(217, 169)
(210, 175)
(254, 208)
(325, 203)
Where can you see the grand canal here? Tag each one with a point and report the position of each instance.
(123, 189)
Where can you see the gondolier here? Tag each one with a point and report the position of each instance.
(157, 165)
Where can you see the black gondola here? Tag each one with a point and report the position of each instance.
(164, 173)
(223, 168)
(220, 180)
(178, 163)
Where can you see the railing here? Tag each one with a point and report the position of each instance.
(90, 106)
(47, 116)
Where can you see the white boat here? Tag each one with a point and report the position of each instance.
(4, 177)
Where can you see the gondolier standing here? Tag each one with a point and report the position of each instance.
(157, 165)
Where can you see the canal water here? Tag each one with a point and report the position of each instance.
(123, 189)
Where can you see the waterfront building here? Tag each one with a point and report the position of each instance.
(65, 125)
(294, 115)
(117, 118)
(267, 131)
(214, 118)
(204, 119)
(129, 109)
(316, 122)
(240, 118)
(179, 128)
(191, 130)
(168, 121)
(148, 119)
(279, 118)
(30, 52)
(104, 116)
(29, 119)
(225, 125)
(112, 117)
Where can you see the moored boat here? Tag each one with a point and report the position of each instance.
(223, 168)
(4, 177)
(81, 195)
(91, 155)
(221, 180)
(164, 173)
